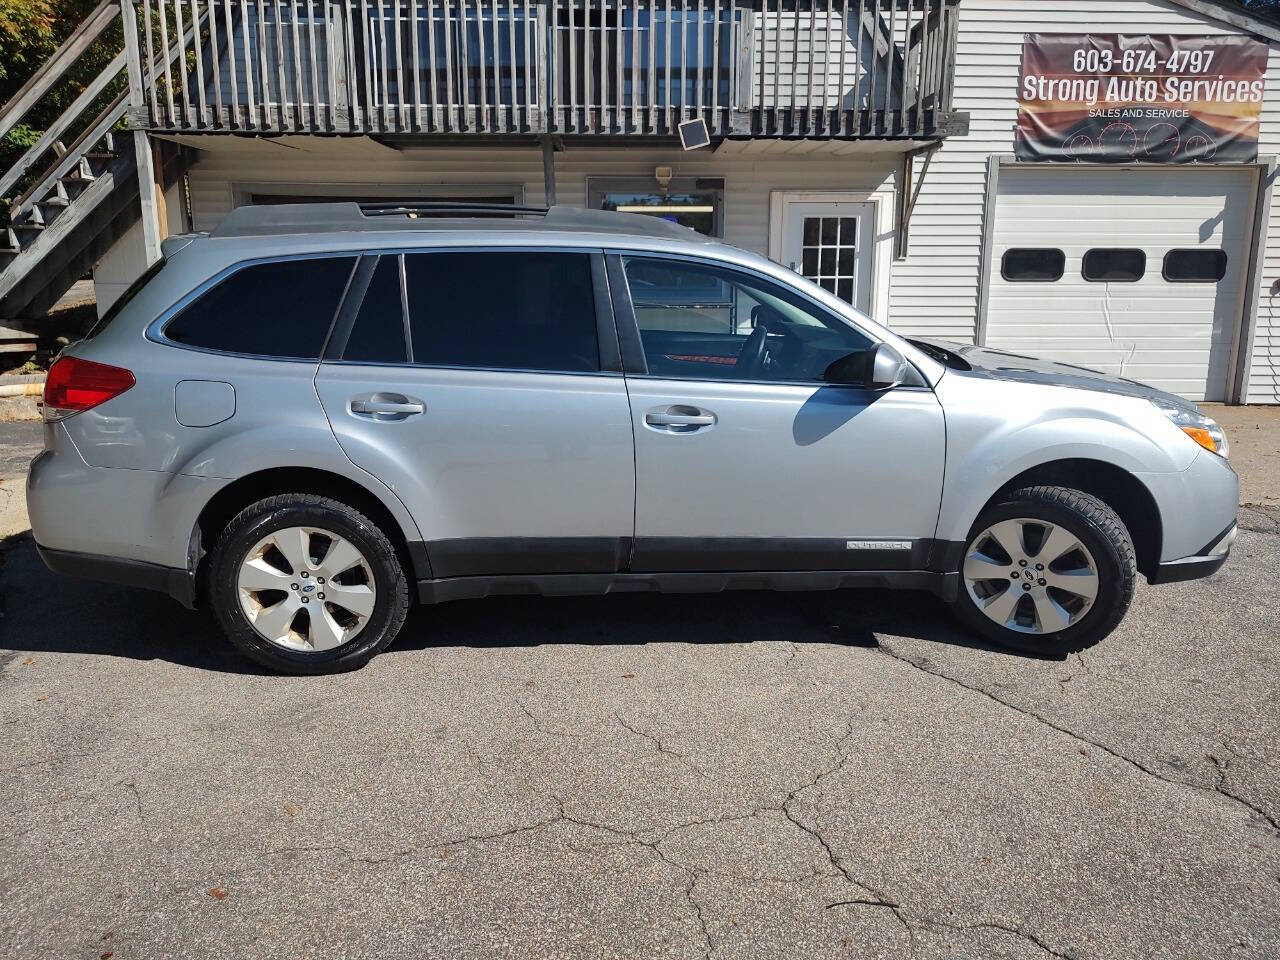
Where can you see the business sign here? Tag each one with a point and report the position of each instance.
(1122, 98)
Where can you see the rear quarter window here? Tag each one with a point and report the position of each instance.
(283, 309)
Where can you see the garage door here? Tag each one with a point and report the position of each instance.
(1135, 272)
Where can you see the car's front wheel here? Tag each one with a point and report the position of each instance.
(305, 584)
(1047, 569)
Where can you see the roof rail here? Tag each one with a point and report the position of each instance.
(441, 208)
(350, 217)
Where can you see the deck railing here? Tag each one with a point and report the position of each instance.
(821, 68)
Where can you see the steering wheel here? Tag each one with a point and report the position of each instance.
(751, 356)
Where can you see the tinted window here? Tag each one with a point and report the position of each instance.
(378, 334)
(1030, 264)
(738, 327)
(281, 309)
(1114, 265)
(1195, 266)
(514, 311)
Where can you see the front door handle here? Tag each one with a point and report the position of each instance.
(679, 418)
(386, 406)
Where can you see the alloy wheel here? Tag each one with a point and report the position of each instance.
(306, 589)
(1030, 576)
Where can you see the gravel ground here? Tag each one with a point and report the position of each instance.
(743, 775)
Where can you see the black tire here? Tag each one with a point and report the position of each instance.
(1099, 529)
(260, 519)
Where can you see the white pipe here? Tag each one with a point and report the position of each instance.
(21, 389)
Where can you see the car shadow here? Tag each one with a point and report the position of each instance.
(42, 612)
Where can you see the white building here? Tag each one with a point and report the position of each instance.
(886, 126)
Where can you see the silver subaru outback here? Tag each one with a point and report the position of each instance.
(319, 414)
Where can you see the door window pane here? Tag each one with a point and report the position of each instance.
(378, 333)
(512, 311)
(1114, 265)
(707, 322)
(828, 254)
(1032, 264)
(280, 309)
(1195, 266)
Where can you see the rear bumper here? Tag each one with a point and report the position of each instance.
(1207, 561)
(179, 584)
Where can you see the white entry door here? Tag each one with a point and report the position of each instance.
(831, 243)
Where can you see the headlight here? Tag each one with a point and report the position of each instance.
(1198, 427)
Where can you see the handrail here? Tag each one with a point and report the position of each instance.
(59, 126)
(52, 69)
(100, 127)
(95, 131)
(867, 68)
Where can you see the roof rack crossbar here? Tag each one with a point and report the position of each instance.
(441, 207)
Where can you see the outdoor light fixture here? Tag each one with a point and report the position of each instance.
(693, 134)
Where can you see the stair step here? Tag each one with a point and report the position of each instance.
(54, 200)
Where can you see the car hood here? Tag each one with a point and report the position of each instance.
(999, 365)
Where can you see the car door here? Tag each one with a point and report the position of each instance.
(746, 457)
(477, 386)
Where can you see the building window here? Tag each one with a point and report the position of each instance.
(1032, 264)
(696, 203)
(1195, 266)
(829, 254)
(1114, 265)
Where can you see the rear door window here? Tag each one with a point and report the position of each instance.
(283, 308)
(378, 335)
(518, 310)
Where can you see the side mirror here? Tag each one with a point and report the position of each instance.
(879, 368)
(887, 368)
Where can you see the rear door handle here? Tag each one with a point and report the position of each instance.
(386, 406)
(679, 418)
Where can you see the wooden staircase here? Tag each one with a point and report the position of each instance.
(76, 200)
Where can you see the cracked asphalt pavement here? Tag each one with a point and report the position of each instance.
(733, 776)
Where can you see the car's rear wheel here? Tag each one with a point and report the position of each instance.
(306, 584)
(1049, 570)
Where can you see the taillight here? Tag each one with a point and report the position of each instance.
(74, 384)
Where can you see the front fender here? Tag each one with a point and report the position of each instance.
(997, 430)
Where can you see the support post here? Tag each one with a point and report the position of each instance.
(141, 141)
(549, 170)
(907, 196)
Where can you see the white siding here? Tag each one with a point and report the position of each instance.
(222, 179)
(125, 261)
(1264, 369)
(936, 289)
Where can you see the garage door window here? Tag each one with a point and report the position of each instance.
(1032, 265)
(1114, 265)
(1195, 266)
